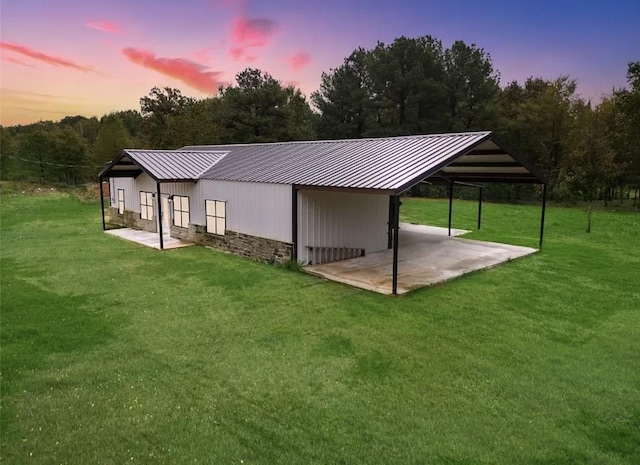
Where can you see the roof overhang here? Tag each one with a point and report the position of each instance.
(122, 167)
(487, 161)
(352, 190)
(126, 166)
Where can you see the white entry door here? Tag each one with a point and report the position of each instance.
(166, 214)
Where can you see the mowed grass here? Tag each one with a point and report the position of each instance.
(114, 353)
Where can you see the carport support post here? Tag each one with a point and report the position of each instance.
(294, 223)
(544, 207)
(480, 208)
(450, 204)
(104, 225)
(396, 226)
(160, 216)
(390, 223)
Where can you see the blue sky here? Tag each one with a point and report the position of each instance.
(78, 57)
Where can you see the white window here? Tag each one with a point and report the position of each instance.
(121, 201)
(216, 212)
(181, 211)
(146, 205)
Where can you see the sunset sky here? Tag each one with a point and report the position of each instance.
(69, 57)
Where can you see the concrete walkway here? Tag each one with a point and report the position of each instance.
(148, 239)
(427, 256)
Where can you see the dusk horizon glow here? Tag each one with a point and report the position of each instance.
(80, 58)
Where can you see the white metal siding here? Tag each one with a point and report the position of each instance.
(337, 219)
(131, 196)
(258, 209)
(183, 189)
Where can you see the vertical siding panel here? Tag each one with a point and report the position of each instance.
(334, 219)
(259, 209)
(131, 200)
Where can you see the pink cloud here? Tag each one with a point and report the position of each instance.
(189, 72)
(298, 60)
(105, 26)
(237, 53)
(250, 33)
(253, 32)
(204, 55)
(16, 61)
(49, 59)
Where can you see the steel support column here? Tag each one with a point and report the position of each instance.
(294, 223)
(480, 208)
(390, 224)
(104, 224)
(450, 204)
(396, 235)
(160, 216)
(544, 208)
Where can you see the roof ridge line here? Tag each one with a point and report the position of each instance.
(177, 150)
(325, 141)
(224, 154)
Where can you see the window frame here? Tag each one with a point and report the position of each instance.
(146, 206)
(218, 221)
(121, 202)
(181, 223)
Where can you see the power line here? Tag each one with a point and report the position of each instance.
(38, 162)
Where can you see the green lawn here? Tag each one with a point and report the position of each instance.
(113, 353)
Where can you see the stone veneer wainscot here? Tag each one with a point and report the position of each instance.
(131, 219)
(244, 245)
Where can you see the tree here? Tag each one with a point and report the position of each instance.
(195, 124)
(35, 151)
(406, 85)
(9, 164)
(87, 128)
(156, 109)
(624, 134)
(343, 99)
(536, 119)
(260, 109)
(69, 155)
(111, 140)
(471, 86)
(133, 123)
(590, 163)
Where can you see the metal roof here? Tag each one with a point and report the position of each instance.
(163, 165)
(390, 164)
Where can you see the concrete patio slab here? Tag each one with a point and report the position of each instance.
(427, 256)
(148, 239)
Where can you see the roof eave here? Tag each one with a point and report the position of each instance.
(542, 179)
(409, 184)
(110, 165)
(105, 171)
(355, 190)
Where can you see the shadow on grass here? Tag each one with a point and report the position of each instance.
(73, 323)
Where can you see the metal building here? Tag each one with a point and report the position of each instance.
(308, 201)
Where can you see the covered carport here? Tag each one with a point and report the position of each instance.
(429, 257)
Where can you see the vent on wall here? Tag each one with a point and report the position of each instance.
(320, 255)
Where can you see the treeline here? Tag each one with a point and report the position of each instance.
(411, 86)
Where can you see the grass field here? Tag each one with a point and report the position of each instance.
(113, 353)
